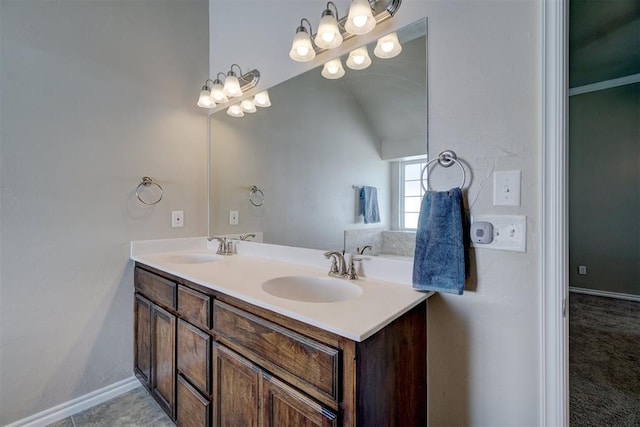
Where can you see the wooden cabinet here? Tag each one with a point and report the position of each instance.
(236, 389)
(163, 372)
(213, 360)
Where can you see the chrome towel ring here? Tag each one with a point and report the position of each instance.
(256, 196)
(445, 159)
(146, 182)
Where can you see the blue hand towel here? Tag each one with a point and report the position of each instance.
(369, 204)
(441, 260)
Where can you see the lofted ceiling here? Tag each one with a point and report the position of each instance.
(604, 40)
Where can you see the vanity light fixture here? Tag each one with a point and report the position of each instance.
(388, 46)
(205, 100)
(235, 111)
(328, 35)
(359, 59)
(333, 69)
(261, 99)
(360, 19)
(248, 106)
(302, 50)
(234, 85)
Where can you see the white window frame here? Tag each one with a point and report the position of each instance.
(401, 210)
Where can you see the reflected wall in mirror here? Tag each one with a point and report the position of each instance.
(317, 144)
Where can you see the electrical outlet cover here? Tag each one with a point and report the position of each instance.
(509, 232)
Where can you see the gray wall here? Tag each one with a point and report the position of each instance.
(484, 103)
(604, 189)
(93, 95)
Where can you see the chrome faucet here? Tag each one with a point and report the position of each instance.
(338, 266)
(247, 236)
(225, 247)
(361, 250)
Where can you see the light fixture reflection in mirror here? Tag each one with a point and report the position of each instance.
(261, 99)
(235, 111)
(318, 140)
(388, 46)
(333, 69)
(359, 59)
(248, 106)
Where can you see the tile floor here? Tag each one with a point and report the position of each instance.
(135, 408)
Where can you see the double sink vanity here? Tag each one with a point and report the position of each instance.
(265, 337)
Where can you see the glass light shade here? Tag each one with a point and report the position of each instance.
(235, 111)
(248, 106)
(205, 100)
(328, 35)
(302, 49)
(333, 69)
(360, 19)
(232, 85)
(261, 99)
(359, 59)
(388, 46)
(217, 93)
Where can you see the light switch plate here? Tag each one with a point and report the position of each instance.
(233, 217)
(509, 232)
(177, 219)
(506, 188)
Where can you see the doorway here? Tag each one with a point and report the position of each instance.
(604, 212)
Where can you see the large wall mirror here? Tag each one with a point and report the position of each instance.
(317, 144)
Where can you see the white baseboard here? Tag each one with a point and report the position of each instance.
(595, 292)
(79, 404)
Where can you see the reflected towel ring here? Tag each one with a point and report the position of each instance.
(445, 159)
(256, 196)
(146, 182)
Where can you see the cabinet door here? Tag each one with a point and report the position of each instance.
(236, 394)
(283, 406)
(142, 340)
(192, 410)
(163, 360)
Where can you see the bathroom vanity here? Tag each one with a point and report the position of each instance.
(214, 349)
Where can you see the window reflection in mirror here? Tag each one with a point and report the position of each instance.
(316, 145)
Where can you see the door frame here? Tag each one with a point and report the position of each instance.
(553, 211)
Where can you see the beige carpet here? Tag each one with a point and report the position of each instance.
(604, 361)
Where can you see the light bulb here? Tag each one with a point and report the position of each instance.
(232, 85)
(387, 46)
(358, 59)
(328, 36)
(204, 100)
(360, 19)
(301, 48)
(217, 92)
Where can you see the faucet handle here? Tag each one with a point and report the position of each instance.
(353, 274)
(335, 257)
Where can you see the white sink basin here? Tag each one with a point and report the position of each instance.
(193, 258)
(312, 289)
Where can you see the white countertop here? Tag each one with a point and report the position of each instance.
(241, 276)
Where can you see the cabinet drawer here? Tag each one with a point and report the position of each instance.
(156, 288)
(193, 410)
(194, 353)
(194, 306)
(313, 363)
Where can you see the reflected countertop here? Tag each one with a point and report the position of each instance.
(242, 275)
